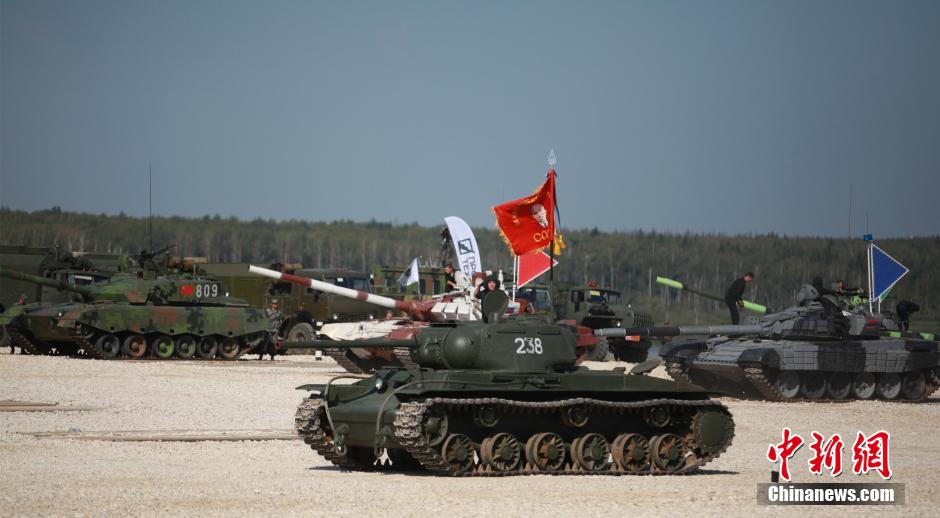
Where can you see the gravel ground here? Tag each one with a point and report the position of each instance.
(65, 476)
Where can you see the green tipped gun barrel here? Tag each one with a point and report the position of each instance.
(815, 351)
(748, 305)
(499, 398)
(163, 318)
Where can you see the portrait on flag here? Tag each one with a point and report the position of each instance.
(528, 224)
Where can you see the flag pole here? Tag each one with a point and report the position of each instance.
(870, 275)
(515, 276)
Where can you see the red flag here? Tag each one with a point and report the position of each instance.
(528, 224)
(532, 265)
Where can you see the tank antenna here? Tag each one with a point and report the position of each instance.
(150, 196)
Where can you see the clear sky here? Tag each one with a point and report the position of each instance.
(713, 116)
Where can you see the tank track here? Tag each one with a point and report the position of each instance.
(308, 421)
(409, 432)
(676, 370)
(85, 346)
(20, 340)
(757, 376)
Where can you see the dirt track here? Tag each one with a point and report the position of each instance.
(64, 473)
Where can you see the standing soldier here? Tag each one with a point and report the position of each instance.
(275, 317)
(734, 297)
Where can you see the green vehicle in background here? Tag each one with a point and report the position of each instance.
(304, 309)
(137, 315)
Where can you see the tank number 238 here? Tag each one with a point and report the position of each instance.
(528, 345)
(207, 290)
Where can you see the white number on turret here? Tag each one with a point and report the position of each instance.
(207, 290)
(529, 345)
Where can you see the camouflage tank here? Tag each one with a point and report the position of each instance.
(494, 398)
(815, 351)
(163, 317)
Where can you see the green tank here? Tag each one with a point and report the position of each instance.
(130, 316)
(493, 398)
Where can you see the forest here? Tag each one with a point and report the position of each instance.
(625, 260)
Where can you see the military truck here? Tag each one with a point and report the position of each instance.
(304, 309)
(431, 281)
(594, 307)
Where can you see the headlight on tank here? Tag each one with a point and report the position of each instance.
(379, 384)
(618, 323)
(335, 316)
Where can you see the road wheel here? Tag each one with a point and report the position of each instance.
(302, 332)
(207, 347)
(134, 346)
(108, 345)
(813, 384)
(230, 348)
(162, 346)
(185, 346)
(839, 385)
(863, 385)
(913, 385)
(889, 385)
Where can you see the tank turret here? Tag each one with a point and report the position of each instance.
(506, 397)
(126, 287)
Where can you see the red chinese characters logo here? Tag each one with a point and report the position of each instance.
(784, 451)
(826, 454)
(871, 453)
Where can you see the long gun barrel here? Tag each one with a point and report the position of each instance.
(326, 287)
(748, 305)
(43, 281)
(666, 331)
(345, 344)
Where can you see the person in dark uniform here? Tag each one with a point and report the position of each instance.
(904, 310)
(734, 297)
(275, 317)
(450, 278)
(491, 284)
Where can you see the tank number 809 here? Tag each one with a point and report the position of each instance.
(528, 345)
(207, 290)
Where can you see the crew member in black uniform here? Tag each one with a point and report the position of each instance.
(734, 297)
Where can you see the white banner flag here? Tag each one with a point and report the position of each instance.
(410, 275)
(468, 255)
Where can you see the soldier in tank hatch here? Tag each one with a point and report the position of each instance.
(734, 297)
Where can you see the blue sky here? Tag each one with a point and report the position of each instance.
(709, 116)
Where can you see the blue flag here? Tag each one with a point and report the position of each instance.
(886, 271)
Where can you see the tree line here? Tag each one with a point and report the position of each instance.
(625, 260)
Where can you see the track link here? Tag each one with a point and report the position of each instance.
(409, 431)
(312, 426)
(759, 379)
(20, 340)
(676, 370)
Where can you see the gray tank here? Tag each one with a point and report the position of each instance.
(817, 350)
